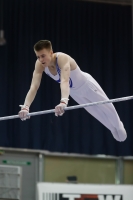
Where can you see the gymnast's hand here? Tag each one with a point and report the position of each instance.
(23, 112)
(59, 109)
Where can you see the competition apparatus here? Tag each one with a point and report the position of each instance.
(71, 107)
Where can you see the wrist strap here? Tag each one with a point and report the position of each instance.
(24, 107)
(64, 100)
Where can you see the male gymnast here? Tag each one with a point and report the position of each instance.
(81, 86)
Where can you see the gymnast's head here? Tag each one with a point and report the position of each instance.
(44, 52)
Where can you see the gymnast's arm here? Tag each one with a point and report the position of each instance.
(36, 80)
(64, 64)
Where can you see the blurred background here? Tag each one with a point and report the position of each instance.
(98, 35)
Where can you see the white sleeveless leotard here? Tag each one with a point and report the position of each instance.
(84, 89)
(77, 77)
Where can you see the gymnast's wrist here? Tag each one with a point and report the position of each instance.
(25, 107)
(64, 100)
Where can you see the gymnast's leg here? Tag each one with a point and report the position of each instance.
(105, 113)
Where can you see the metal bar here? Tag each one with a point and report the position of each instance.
(70, 108)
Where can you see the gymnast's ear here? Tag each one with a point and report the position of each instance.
(51, 51)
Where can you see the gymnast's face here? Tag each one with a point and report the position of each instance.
(44, 56)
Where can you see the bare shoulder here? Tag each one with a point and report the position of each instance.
(62, 55)
(63, 58)
(38, 67)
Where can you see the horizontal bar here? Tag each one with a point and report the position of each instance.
(70, 107)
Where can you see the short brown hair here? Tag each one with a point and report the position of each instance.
(43, 44)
